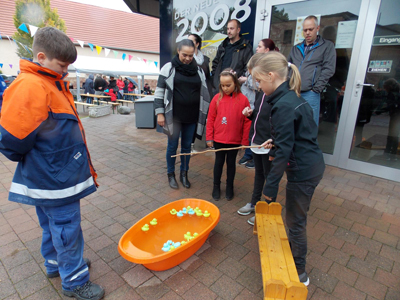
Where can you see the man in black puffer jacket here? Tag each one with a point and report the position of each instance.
(234, 52)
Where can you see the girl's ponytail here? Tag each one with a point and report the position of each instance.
(274, 61)
(295, 79)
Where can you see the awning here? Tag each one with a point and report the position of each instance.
(93, 65)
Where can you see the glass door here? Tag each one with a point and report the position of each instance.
(339, 23)
(359, 110)
(371, 139)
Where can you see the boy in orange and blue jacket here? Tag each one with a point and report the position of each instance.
(41, 130)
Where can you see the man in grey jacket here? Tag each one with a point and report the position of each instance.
(316, 59)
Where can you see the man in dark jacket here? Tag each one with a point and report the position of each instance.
(234, 52)
(89, 88)
(99, 85)
(315, 58)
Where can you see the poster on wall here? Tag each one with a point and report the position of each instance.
(345, 34)
(209, 19)
(299, 36)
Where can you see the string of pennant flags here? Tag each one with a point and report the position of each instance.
(32, 31)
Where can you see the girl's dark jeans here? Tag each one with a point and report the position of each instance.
(230, 163)
(298, 198)
(262, 167)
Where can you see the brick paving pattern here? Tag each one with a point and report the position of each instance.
(353, 229)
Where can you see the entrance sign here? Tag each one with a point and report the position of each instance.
(393, 40)
(345, 34)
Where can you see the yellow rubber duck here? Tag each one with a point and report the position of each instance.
(188, 207)
(145, 227)
(183, 242)
(195, 234)
(199, 213)
(153, 222)
(196, 209)
(206, 214)
(171, 248)
(188, 236)
(173, 212)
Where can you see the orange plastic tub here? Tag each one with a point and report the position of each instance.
(146, 247)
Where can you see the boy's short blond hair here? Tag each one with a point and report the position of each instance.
(55, 44)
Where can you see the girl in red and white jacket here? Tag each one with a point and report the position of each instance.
(227, 127)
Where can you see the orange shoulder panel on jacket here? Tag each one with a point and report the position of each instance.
(25, 106)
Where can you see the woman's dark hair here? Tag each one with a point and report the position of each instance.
(185, 42)
(198, 40)
(268, 43)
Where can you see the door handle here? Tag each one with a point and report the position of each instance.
(360, 84)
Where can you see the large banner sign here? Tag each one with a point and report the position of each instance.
(209, 19)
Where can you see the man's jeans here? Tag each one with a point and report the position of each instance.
(248, 154)
(186, 130)
(98, 93)
(62, 243)
(298, 198)
(314, 100)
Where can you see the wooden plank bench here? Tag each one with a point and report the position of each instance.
(280, 278)
(83, 104)
(114, 104)
(125, 101)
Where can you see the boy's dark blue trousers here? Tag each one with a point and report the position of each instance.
(62, 243)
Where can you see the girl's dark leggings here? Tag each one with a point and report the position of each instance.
(220, 157)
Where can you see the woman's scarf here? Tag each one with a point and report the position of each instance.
(199, 57)
(186, 70)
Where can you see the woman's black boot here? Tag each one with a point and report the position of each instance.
(184, 179)
(216, 193)
(229, 192)
(172, 180)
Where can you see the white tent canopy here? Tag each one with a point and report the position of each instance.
(91, 64)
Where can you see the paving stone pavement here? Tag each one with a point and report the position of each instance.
(353, 229)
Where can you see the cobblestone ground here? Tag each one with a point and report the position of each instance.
(353, 229)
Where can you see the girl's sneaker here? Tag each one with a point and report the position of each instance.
(251, 220)
(304, 279)
(246, 210)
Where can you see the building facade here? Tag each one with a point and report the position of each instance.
(360, 107)
(131, 34)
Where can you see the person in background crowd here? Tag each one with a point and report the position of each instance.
(227, 127)
(315, 57)
(146, 89)
(89, 88)
(126, 84)
(99, 86)
(121, 86)
(112, 85)
(234, 52)
(131, 89)
(294, 135)
(105, 79)
(249, 90)
(181, 104)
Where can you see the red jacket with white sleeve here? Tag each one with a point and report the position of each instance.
(225, 122)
